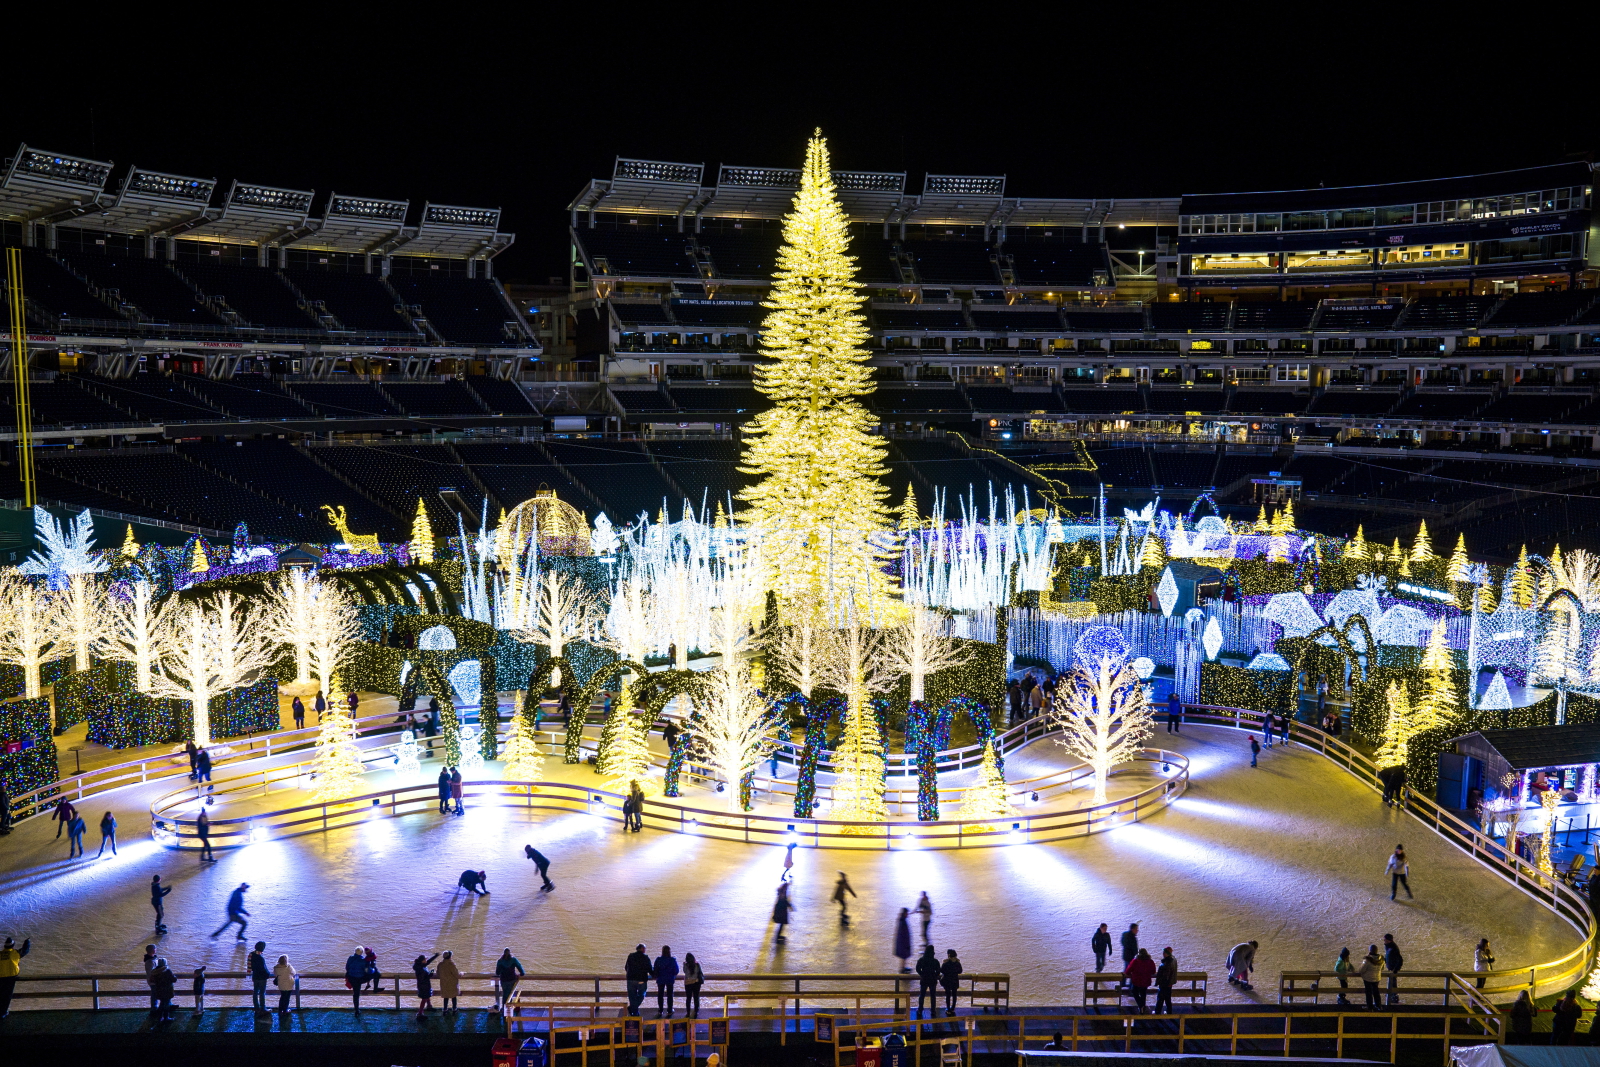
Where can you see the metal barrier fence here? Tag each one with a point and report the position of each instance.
(174, 827)
(1554, 894)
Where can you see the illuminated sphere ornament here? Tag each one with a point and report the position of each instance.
(1144, 667)
(1269, 661)
(1211, 638)
(560, 527)
(436, 639)
(1098, 643)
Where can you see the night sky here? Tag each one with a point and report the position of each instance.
(520, 112)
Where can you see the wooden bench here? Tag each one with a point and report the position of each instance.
(1107, 985)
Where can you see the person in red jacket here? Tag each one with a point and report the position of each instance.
(1140, 972)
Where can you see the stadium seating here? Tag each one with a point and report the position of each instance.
(1104, 321)
(1317, 474)
(1288, 315)
(514, 471)
(1233, 467)
(434, 398)
(704, 468)
(651, 314)
(1351, 402)
(719, 400)
(726, 313)
(1190, 469)
(154, 398)
(287, 472)
(952, 262)
(919, 317)
(64, 402)
(1122, 464)
(947, 468)
(1445, 313)
(59, 297)
(640, 252)
(744, 254)
(345, 400)
(1192, 317)
(1034, 321)
(643, 401)
(464, 311)
(360, 302)
(245, 396)
(620, 474)
(397, 475)
(1097, 400)
(1542, 309)
(1371, 317)
(917, 401)
(148, 284)
(993, 398)
(1517, 406)
(875, 264)
(1440, 405)
(500, 397)
(1266, 401)
(1178, 401)
(1065, 262)
(258, 295)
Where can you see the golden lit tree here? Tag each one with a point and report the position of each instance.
(1357, 548)
(1438, 706)
(130, 547)
(81, 607)
(1103, 715)
(30, 626)
(1578, 573)
(819, 499)
(989, 798)
(908, 517)
(1422, 547)
(524, 759)
(198, 563)
(1456, 570)
(1397, 730)
(1261, 525)
(1522, 581)
(337, 766)
(624, 744)
(1487, 598)
(421, 535)
(1152, 553)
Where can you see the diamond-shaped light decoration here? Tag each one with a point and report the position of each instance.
(1167, 592)
(1144, 667)
(1212, 638)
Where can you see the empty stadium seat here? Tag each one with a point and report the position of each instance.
(360, 302)
(994, 398)
(1285, 315)
(154, 398)
(148, 284)
(1104, 321)
(744, 254)
(514, 471)
(1445, 313)
(707, 470)
(1266, 401)
(952, 262)
(1031, 321)
(501, 397)
(1517, 406)
(397, 475)
(246, 396)
(1190, 317)
(1440, 405)
(639, 252)
(56, 297)
(917, 401)
(643, 400)
(259, 296)
(1350, 402)
(64, 402)
(718, 400)
(288, 472)
(464, 311)
(651, 314)
(1066, 262)
(1371, 317)
(1181, 400)
(345, 400)
(434, 398)
(1099, 400)
(1542, 309)
(713, 313)
(620, 474)
(919, 317)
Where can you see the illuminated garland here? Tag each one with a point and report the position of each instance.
(679, 752)
(488, 708)
(747, 788)
(438, 685)
(34, 767)
(817, 717)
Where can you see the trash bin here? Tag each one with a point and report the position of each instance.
(532, 1053)
(869, 1057)
(504, 1053)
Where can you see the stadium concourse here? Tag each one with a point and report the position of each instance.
(1290, 853)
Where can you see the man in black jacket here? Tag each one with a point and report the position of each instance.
(950, 978)
(1392, 962)
(257, 961)
(927, 979)
(1101, 944)
(1130, 947)
(638, 970)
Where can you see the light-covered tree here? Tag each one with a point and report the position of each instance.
(1152, 553)
(1398, 729)
(1103, 715)
(1456, 569)
(563, 611)
(421, 535)
(243, 645)
(989, 798)
(853, 663)
(1357, 548)
(793, 650)
(337, 768)
(334, 624)
(524, 759)
(819, 500)
(288, 616)
(30, 627)
(129, 635)
(1422, 547)
(739, 726)
(81, 606)
(1438, 706)
(1522, 581)
(191, 663)
(920, 646)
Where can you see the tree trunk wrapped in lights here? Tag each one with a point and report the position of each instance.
(820, 498)
(563, 611)
(989, 798)
(919, 647)
(81, 605)
(854, 664)
(193, 665)
(1103, 715)
(130, 631)
(288, 619)
(488, 708)
(30, 625)
(334, 624)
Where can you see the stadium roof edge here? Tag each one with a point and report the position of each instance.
(1491, 183)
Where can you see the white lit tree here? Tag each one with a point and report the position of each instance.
(739, 726)
(853, 663)
(334, 624)
(1102, 712)
(242, 643)
(919, 646)
(289, 607)
(30, 626)
(81, 606)
(191, 663)
(563, 611)
(130, 630)
(793, 649)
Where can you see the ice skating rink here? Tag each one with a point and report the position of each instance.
(1290, 853)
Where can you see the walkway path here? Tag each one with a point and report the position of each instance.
(1290, 853)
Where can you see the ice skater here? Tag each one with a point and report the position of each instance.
(1397, 870)
(788, 861)
(298, 707)
(902, 939)
(475, 881)
(1174, 713)
(1100, 945)
(158, 893)
(1241, 961)
(64, 814)
(75, 831)
(780, 911)
(236, 913)
(840, 888)
(108, 833)
(1255, 750)
(542, 865)
(202, 828)
(924, 910)
(507, 970)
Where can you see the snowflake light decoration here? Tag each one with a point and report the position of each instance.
(65, 552)
(1167, 592)
(1211, 638)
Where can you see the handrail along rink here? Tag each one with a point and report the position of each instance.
(1569, 905)
(172, 826)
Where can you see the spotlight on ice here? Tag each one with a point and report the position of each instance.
(1016, 835)
(258, 834)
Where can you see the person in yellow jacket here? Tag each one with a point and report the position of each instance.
(10, 967)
